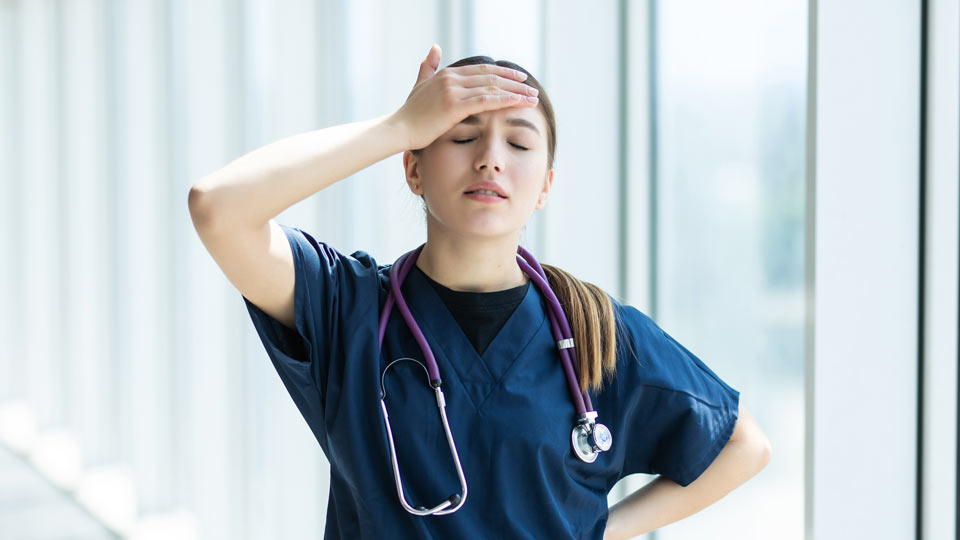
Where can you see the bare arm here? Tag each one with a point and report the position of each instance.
(259, 185)
(233, 208)
(663, 501)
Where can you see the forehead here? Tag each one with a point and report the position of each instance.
(525, 117)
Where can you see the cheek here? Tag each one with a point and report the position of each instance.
(533, 172)
(444, 161)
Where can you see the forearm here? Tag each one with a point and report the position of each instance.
(257, 186)
(663, 501)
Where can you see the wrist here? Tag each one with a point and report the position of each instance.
(396, 131)
(615, 525)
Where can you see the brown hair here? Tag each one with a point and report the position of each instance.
(588, 308)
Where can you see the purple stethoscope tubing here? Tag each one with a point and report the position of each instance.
(530, 266)
(588, 437)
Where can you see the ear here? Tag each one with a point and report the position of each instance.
(545, 192)
(412, 171)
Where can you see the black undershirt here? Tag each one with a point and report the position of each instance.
(480, 315)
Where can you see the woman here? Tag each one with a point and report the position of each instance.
(478, 139)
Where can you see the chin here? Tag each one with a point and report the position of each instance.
(479, 225)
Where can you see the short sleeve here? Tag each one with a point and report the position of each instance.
(677, 413)
(331, 289)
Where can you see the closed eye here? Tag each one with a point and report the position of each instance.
(464, 141)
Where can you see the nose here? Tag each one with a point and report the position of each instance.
(490, 155)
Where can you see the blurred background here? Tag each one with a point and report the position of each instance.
(773, 182)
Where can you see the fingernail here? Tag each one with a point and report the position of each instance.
(531, 99)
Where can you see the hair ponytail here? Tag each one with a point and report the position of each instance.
(589, 311)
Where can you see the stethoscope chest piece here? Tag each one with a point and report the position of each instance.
(589, 439)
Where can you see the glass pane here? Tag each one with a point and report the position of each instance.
(730, 230)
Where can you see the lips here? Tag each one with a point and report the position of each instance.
(486, 192)
(487, 186)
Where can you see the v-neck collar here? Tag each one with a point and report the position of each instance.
(477, 301)
(479, 374)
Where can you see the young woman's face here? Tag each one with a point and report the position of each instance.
(505, 146)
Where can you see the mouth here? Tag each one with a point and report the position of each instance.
(486, 192)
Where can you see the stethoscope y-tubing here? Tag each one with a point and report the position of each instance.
(558, 321)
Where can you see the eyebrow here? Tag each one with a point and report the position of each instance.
(473, 120)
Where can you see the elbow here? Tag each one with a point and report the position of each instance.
(199, 206)
(760, 450)
(753, 442)
(765, 452)
(754, 449)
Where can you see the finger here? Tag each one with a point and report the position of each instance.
(481, 99)
(492, 81)
(430, 64)
(482, 69)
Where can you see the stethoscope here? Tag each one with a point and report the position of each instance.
(588, 437)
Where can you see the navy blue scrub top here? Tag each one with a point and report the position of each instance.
(509, 410)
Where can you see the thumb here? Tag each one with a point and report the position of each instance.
(430, 64)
